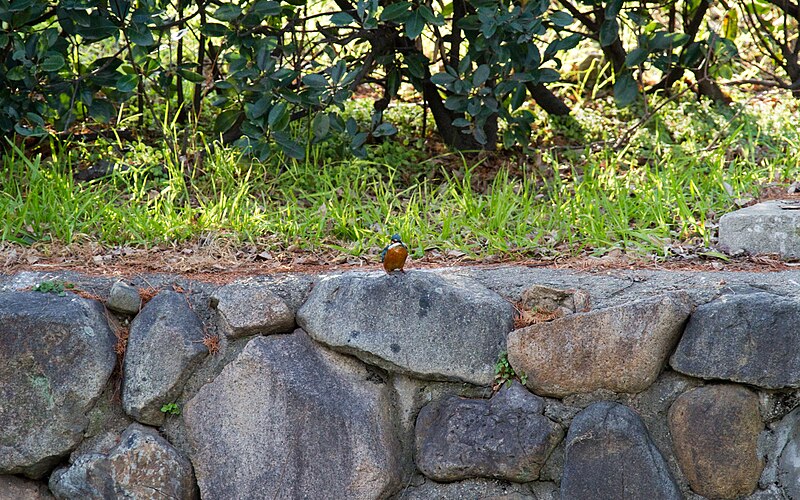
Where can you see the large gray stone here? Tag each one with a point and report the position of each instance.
(16, 488)
(651, 405)
(479, 489)
(250, 309)
(715, 432)
(751, 338)
(419, 323)
(56, 355)
(143, 466)
(164, 348)
(610, 455)
(620, 348)
(761, 228)
(783, 456)
(411, 395)
(505, 437)
(292, 288)
(288, 419)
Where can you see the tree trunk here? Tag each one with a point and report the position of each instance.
(547, 100)
(691, 29)
(616, 51)
(443, 117)
(709, 88)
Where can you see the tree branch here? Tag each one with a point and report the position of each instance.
(547, 100)
(583, 18)
(691, 29)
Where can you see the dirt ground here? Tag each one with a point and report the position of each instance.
(222, 265)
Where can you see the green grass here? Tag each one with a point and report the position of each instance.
(664, 189)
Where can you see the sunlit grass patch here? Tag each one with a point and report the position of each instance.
(577, 190)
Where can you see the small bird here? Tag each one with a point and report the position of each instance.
(394, 255)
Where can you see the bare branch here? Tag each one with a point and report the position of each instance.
(790, 8)
(583, 18)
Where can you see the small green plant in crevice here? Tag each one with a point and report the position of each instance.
(504, 373)
(57, 287)
(171, 409)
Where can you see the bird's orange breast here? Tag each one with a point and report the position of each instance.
(395, 258)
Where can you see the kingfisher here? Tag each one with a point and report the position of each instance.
(394, 255)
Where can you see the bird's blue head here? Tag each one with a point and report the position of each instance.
(396, 238)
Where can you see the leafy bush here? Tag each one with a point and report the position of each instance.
(57, 287)
(272, 83)
(774, 25)
(278, 73)
(634, 39)
(274, 64)
(171, 409)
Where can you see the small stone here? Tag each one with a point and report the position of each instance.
(539, 298)
(483, 489)
(609, 454)
(543, 490)
(653, 405)
(557, 411)
(748, 338)
(776, 405)
(621, 349)
(106, 416)
(505, 437)
(715, 432)
(143, 466)
(249, 309)
(164, 348)
(419, 323)
(553, 469)
(124, 298)
(783, 465)
(101, 443)
(16, 488)
(772, 492)
(764, 228)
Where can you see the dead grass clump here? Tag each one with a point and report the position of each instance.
(147, 294)
(88, 295)
(525, 317)
(212, 343)
(122, 333)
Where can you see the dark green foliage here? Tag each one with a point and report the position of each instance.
(40, 81)
(57, 287)
(667, 40)
(171, 409)
(278, 73)
(504, 373)
(281, 73)
(774, 26)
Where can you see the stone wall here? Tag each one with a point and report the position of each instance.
(629, 384)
